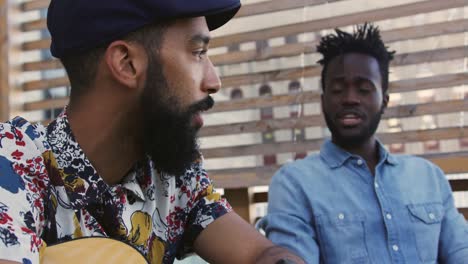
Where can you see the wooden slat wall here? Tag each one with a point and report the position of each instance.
(4, 67)
(451, 161)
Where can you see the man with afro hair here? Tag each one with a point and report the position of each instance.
(354, 202)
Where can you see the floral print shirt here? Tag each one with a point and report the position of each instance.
(50, 193)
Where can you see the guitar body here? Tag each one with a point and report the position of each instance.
(92, 250)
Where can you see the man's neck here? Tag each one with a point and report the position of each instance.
(367, 150)
(107, 137)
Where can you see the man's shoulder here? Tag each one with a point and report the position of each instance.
(21, 139)
(312, 161)
(311, 166)
(20, 155)
(415, 166)
(406, 160)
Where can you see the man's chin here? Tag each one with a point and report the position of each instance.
(174, 169)
(350, 139)
(175, 162)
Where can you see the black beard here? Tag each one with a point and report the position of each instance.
(353, 140)
(169, 136)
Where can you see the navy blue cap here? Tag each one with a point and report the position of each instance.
(79, 25)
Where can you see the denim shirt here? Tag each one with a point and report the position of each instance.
(329, 208)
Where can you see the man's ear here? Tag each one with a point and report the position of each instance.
(321, 102)
(126, 63)
(385, 99)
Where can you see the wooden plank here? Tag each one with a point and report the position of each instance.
(46, 104)
(459, 185)
(50, 64)
(293, 73)
(401, 111)
(36, 44)
(276, 6)
(430, 56)
(34, 5)
(315, 25)
(464, 212)
(260, 197)
(425, 31)
(314, 144)
(453, 164)
(4, 65)
(258, 176)
(271, 76)
(287, 50)
(432, 82)
(46, 83)
(240, 200)
(40, 24)
(242, 178)
(339, 21)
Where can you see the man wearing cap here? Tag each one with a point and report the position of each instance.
(122, 159)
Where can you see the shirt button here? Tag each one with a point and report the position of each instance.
(341, 216)
(376, 185)
(431, 216)
(395, 248)
(389, 216)
(359, 162)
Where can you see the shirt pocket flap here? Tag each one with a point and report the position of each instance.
(429, 213)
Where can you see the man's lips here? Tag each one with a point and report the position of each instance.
(197, 120)
(349, 119)
(198, 108)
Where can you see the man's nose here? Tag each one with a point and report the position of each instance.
(351, 96)
(211, 82)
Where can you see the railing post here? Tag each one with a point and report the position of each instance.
(4, 64)
(240, 200)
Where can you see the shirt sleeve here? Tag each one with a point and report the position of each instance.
(289, 222)
(453, 243)
(21, 197)
(206, 206)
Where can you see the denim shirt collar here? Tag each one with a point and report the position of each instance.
(335, 157)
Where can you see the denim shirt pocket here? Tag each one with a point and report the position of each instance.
(342, 238)
(426, 221)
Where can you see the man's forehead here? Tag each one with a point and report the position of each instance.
(193, 29)
(352, 65)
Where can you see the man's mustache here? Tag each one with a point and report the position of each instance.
(202, 105)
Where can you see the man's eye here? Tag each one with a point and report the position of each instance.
(200, 53)
(336, 91)
(337, 88)
(364, 90)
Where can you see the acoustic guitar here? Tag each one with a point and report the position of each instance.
(92, 250)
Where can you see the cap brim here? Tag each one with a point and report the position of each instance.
(220, 18)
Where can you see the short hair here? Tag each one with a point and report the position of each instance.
(365, 39)
(82, 67)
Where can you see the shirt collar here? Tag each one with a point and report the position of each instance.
(335, 156)
(77, 175)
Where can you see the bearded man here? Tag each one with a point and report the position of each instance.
(122, 159)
